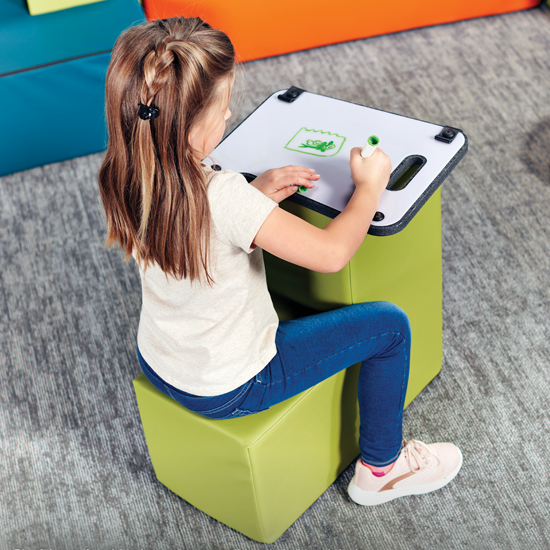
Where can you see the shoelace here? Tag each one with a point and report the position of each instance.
(420, 452)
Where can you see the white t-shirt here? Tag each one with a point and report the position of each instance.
(210, 340)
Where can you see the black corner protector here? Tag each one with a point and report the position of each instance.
(291, 94)
(447, 134)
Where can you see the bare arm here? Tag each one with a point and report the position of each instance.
(331, 248)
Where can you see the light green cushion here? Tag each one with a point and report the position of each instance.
(259, 473)
(37, 7)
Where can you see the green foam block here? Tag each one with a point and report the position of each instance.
(259, 473)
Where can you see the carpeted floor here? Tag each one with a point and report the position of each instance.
(74, 469)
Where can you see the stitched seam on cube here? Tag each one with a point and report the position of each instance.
(52, 63)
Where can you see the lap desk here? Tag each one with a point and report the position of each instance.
(258, 474)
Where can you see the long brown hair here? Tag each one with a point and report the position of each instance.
(153, 188)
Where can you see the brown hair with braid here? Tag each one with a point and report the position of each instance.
(153, 186)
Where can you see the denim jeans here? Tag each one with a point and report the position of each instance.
(310, 350)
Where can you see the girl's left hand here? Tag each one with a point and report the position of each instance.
(280, 183)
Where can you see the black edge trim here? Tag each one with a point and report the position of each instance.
(302, 200)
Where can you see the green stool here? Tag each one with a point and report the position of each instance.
(259, 473)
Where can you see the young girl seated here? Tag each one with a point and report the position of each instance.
(209, 336)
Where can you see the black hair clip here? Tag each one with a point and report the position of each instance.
(147, 112)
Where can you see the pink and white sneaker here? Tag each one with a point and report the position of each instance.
(419, 469)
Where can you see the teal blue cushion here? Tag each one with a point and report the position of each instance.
(55, 113)
(52, 80)
(29, 41)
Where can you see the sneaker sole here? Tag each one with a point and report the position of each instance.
(371, 498)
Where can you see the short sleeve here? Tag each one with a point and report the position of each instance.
(238, 209)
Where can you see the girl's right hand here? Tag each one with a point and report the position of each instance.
(372, 173)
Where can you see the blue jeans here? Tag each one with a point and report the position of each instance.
(310, 350)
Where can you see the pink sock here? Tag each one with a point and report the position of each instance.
(377, 470)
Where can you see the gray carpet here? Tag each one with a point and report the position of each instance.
(74, 468)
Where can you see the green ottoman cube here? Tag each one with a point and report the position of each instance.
(404, 268)
(258, 473)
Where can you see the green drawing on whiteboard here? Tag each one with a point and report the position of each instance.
(316, 142)
(322, 146)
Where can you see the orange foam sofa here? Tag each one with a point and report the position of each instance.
(263, 28)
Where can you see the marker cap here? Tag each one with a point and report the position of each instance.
(370, 146)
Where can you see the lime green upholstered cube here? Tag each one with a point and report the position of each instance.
(38, 7)
(404, 269)
(258, 473)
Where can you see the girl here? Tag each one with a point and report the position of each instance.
(209, 336)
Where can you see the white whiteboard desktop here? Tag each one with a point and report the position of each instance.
(318, 132)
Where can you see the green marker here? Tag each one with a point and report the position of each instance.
(370, 146)
(302, 188)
